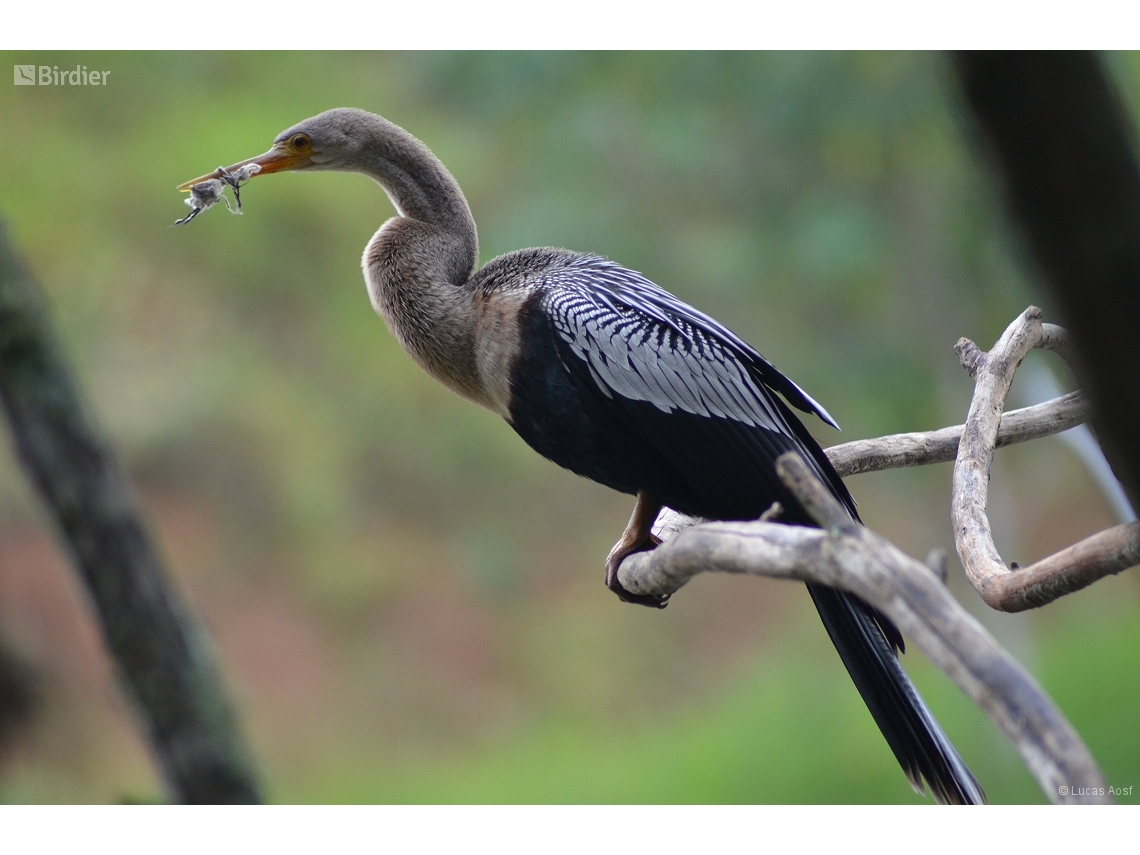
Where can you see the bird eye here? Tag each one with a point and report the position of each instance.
(299, 141)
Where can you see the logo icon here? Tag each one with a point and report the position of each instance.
(23, 75)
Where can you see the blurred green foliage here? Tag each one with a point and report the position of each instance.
(407, 600)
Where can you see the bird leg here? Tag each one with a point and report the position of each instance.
(637, 537)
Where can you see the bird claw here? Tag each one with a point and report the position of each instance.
(613, 561)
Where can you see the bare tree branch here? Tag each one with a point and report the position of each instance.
(845, 555)
(939, 446)
(922, 448)
(986, 428)
(163, 656)
(912, 594)
(1070, 570)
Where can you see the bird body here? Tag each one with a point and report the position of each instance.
(616, 380)
(608, 375)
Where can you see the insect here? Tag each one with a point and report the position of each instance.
(206, 194)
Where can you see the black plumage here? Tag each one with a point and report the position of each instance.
(624, 384)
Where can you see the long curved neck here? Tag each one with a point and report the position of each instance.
(421, 189)
(418, 265)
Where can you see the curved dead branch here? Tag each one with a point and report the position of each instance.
(1070, 570)
(926, 447)
(940, 446)
(845, 555)
(911, 593)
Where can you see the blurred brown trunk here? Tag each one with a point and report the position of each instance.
(1060, 140)
(163, 657)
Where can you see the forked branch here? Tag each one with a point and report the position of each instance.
(940, 446)
(845, 555)
(1070, 570)
(925, 447)
(848, 556)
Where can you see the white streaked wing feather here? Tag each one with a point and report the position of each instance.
(613, 286)
(649, 356)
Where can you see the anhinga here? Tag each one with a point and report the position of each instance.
(604, 373)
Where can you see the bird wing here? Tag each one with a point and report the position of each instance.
(640, 343)
(594, 289)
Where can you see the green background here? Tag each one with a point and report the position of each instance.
(407, 601)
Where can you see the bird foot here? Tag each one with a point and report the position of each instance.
(618, 554)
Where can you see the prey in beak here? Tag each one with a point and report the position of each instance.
(207, 190)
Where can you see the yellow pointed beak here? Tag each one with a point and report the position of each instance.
(277, 159)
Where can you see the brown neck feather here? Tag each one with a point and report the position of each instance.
(418, 264)
(422, 189)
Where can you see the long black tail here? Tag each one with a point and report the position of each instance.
(922, 749)
(868, 643)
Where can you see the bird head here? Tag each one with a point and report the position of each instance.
(331, 140)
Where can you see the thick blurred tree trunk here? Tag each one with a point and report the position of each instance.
(1060, 139)
(163, 657)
